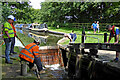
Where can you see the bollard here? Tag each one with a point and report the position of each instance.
(83, 35)
(83, 40)
(105, 37)
(23, 68)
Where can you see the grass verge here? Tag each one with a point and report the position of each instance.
(89, 38)
(24, 38)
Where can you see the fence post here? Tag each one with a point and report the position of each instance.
(83, 35)
(83, 39)
(105, 37)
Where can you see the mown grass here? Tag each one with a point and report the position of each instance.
(69, 30)
(89, 38)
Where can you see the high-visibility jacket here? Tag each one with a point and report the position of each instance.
(13, 27)
(8, 27)
(30, 52)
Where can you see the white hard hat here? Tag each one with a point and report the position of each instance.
(11, 17)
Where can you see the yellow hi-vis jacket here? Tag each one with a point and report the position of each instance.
(8, 27)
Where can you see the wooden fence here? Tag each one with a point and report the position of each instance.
(88, 25)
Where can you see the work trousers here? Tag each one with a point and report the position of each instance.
(12, 45)
(74, 38)
(7, 49)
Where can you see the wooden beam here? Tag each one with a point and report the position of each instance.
(102, 46)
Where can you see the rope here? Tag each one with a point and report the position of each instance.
(1, 44)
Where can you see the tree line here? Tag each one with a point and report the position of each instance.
(63, 13)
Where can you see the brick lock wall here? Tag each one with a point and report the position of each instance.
(50, 56)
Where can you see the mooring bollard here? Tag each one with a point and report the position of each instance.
(105, 37)
(23, 68)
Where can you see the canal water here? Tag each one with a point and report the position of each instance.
(53, 71)
(46, 39)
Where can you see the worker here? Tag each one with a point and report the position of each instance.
(114, 32)
(72, 36)
(8, 34)
(13, 38)
(31, 54)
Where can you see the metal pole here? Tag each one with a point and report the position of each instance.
(105, 37)
(83, 35)
(83, 39)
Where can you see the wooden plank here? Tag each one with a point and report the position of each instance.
(101, 46)
(112, 47)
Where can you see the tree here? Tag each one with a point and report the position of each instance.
(79, 12)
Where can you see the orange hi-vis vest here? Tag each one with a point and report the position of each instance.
(29, 52)
(13, 27)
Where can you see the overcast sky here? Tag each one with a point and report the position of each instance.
(36, 3)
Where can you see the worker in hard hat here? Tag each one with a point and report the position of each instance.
(31, 54)
(15, 35)
(8, 34)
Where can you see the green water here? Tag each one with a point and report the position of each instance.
(51, 39)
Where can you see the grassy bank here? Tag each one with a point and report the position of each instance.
(25, 39)
(89, 38)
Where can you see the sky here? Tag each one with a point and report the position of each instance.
(36, 3)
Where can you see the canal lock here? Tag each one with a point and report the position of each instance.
(50, 54)
(76, 65)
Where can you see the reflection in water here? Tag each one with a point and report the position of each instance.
(29, 35)
(40, 38)
(21, 31)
